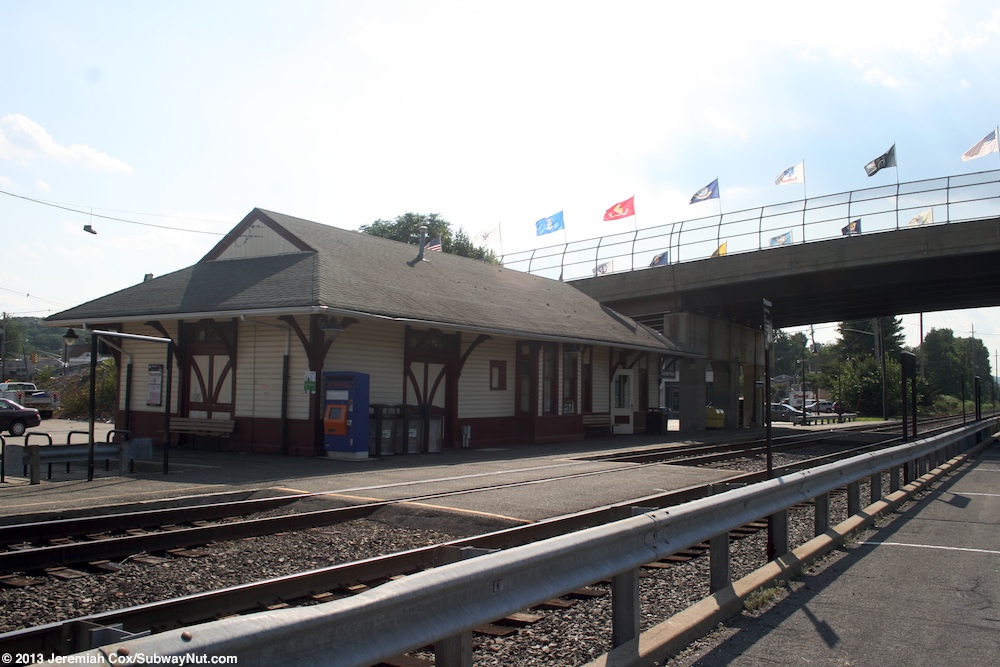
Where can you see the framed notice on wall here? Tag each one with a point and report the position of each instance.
(154, 388)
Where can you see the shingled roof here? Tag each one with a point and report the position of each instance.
(327, 269)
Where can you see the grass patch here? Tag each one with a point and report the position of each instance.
(760, 599)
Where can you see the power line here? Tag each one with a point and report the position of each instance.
(34, 296)
(108, 217)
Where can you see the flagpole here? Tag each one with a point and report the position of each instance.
(804, 196)
(896, 165)
(805, 200)
(500, 234)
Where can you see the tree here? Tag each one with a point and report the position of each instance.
(942, 364)
(857, 337)
(951, 364)
(786, 354)
(406, 228)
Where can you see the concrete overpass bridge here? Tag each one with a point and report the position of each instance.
(923, 246)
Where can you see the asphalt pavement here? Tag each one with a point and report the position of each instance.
(921, 591)
(514, 475)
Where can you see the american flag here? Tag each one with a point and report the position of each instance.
(435, 244)
(985, 146)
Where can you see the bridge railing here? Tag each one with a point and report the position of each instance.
(945, 200)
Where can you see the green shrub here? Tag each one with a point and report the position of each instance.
(75, 393)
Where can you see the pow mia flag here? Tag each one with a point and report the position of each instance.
(887, 159)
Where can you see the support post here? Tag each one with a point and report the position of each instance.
(875, 482)
(718, 551)
(853, 498)
(625, 612)
(456, 651)
(821, 523)
(777, 543)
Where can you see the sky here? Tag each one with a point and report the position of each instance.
(161, 124)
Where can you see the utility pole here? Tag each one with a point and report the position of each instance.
(3, 348)
(880, 352)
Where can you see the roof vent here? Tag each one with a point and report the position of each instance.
(420, 254)
(146, 278)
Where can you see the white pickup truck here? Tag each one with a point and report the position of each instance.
(30, 396)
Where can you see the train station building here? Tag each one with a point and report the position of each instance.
(305, 339)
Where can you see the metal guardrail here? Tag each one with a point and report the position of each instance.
(29, 457)
(950, 199)
(440, 605)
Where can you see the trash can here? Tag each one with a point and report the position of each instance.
(715, 417)
(656, 421)
(382, 429)
(435, 433)
(411, 423)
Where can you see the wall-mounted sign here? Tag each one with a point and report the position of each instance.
(154, 387)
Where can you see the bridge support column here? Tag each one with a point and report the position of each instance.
(752, 416)
(692, 388)
(726, 391)
(729, 347)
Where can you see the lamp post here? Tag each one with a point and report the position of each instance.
(69, 340)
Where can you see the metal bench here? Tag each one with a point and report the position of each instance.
(829, 418)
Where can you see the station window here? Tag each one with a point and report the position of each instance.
(498, 375)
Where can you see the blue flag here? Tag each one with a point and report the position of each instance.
(710, 191)
(553, 223)
(781, 239)
(663, 259)
(852, 228)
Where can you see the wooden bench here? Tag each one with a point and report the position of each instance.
(597, 424)
(216, 428)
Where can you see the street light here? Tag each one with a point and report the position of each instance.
(69, 340)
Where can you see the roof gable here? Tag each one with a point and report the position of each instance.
(257, 235)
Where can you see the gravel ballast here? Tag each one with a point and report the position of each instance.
(571, 636)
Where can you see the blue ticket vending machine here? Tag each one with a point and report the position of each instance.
(345, 414)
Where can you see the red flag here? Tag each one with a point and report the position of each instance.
(622, 209)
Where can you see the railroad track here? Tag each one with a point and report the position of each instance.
(58, 546)
(336, 581)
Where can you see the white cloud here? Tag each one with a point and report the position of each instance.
(42, 186)
(22, 140)
(877, 76)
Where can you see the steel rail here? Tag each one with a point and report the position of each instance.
(70, 635)
(434, 605)
(43, 530)
(116, 546)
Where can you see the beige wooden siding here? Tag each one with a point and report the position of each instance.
(257, 241)
(143, 354)
(374, 347)
(602, 379)
(259, 360)
(475, 398)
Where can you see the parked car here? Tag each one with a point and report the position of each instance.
(820, 406)
(781, 412)
(15, 418)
